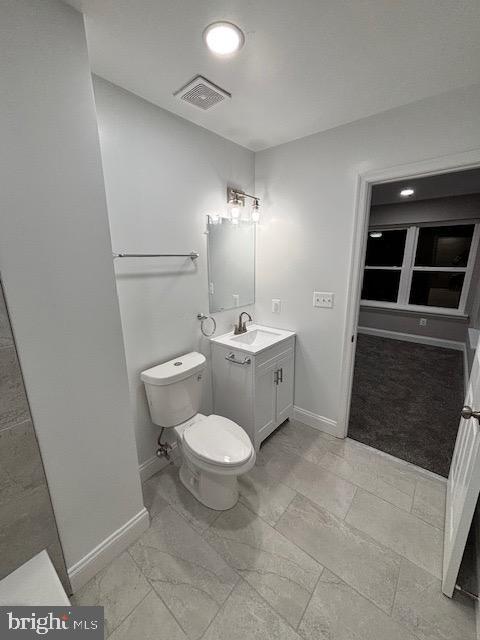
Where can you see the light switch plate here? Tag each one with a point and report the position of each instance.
(323, 299)
(276, 305)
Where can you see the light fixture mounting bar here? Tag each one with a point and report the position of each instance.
(237, 195)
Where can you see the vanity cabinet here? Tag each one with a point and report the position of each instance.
(254, 390)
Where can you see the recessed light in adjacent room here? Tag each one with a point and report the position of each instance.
(223, 38)
(406, 193)
(375, 234)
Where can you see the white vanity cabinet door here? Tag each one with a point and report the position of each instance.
(284, 387)
(233, 388)
(265, 401)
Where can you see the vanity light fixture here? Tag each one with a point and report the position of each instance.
(406, 193)
(236, 200)
(375, 234)
(223, 38)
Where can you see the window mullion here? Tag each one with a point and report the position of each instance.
(407, 266)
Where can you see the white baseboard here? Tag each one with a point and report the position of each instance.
(317, 422)
(412, 337)
(155, 464)
(98, 558)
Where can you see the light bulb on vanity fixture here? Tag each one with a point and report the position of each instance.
(235, 213)
(256, 210)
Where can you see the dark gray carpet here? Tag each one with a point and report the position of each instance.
(406, 400)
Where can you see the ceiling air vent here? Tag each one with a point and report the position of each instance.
(202, 93)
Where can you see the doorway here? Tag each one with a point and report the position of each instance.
(418, 315)
(428, 298)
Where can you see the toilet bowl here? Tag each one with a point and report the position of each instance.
(214, 449)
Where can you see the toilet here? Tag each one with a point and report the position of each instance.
(214, 450)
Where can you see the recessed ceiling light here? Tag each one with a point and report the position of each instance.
(223, 38)
(375, 234)
(406, 193)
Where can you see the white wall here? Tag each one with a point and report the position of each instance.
(162, 175)
(57, 269)
(305, 242)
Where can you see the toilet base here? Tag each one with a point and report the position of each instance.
(219, 492)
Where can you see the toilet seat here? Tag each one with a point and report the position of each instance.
(219, 442)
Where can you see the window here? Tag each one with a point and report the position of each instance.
(420, 267)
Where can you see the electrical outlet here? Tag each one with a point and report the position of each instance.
(276, 305)
(236, 299)
(323, 299)
(423, 322)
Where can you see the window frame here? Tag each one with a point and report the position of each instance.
(408, 268)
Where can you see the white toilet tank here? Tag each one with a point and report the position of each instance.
(174, 389)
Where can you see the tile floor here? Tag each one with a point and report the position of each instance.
(330, 540)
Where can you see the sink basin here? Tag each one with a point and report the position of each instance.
(255, 339)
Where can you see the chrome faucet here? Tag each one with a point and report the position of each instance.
(241, 327)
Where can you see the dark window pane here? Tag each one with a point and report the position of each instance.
(444, 246)
(436, 289)
(381, 285)
(387, 249)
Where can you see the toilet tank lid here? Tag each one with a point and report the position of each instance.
(174, 370)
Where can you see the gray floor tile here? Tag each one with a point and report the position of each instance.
(365, 565)
(246, 616)
(422, 608)
(27, 525)
(429, 502)
(319, 485)
(166, 485)
(338, 612)
(403, 532)
(281, 572)
(295, 437)
(119, 588)
(370, 474)
(14, 408)
(150, 620)
(6, 339)
(21, 467)
(264, 495)
(187, 573)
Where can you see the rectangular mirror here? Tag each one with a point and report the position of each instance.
(231, 263)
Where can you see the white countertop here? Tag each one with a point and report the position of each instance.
(256, 339)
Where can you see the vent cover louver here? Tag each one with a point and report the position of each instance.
(202, 93)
